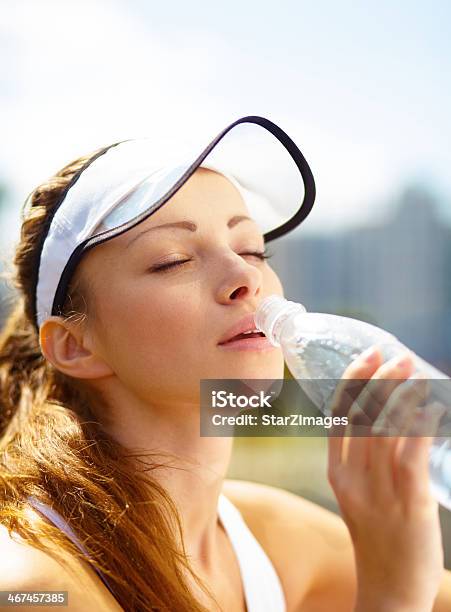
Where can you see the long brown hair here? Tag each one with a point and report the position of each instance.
(52, 446)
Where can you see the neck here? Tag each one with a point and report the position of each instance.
(194, 466)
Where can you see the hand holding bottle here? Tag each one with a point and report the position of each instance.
(318, 347)
(382, 488)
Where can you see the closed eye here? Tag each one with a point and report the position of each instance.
(173, 264)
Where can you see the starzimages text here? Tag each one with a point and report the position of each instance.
(291, 420)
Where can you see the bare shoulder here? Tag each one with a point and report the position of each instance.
(266, 508)
(310, 546)
(26, 568)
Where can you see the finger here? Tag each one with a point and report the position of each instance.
(356, 446)
(376, 393)
(353, 380)
(398, 413)
(362, 413)
(382, 452)
(427, 420)
(412, 461)
(367, 451)
(382, 448)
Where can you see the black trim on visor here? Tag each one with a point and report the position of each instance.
(294, 221)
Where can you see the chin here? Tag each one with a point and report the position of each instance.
(253, 371)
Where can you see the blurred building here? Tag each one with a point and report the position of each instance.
(395, 274)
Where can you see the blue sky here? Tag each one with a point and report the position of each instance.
(363, 88)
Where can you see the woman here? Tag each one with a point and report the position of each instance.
(108, 491)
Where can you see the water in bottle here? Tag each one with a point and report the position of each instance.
(319, 347)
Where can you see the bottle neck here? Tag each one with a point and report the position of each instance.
(275, 332)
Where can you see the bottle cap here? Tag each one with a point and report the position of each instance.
(269, 312)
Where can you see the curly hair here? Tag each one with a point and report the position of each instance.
(53, 447)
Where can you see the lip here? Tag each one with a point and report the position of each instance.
(247, 323)
(248, 344)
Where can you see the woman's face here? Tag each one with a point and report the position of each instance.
(159, 329)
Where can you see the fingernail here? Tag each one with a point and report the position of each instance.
(414, 382)
(369, 356)
(403, 361)
(436, 410)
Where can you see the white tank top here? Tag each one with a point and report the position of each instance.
(262, 588)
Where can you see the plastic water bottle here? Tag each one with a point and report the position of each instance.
(319, 347)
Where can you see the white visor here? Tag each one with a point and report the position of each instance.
(128, 181)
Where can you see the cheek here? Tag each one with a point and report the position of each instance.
(145, 332)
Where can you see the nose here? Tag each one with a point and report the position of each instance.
(242, 281)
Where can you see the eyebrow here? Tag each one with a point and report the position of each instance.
(188, 225)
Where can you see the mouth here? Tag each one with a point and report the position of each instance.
(247, 341)
(244, 336)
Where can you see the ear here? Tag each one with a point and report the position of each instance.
(69, 348)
